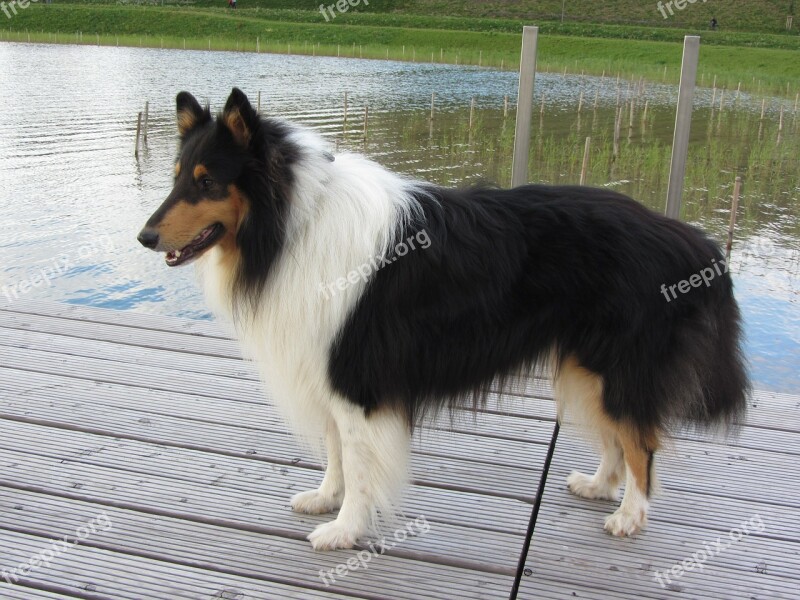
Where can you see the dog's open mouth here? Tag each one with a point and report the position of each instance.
(203, 240)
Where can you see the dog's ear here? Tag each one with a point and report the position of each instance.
(190, 113)
(240, 117)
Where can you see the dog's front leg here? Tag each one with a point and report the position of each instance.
(375, 452)
(328, 497)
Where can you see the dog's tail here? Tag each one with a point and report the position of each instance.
(716, 386)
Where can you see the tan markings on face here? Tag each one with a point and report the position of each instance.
(177, 169)
(184, 220)
(199, 171)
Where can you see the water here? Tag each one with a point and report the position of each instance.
(73, 196)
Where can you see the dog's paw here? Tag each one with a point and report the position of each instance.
(314, 503)
(585, 487)
(332, 535)
(623, 523)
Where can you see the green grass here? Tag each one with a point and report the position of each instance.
(576, 47)
(762, 16)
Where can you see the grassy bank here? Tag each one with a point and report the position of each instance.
(489, 42)
(753, 16)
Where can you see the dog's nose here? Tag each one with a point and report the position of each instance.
(148, 238)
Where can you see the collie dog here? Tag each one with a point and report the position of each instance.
(370, 301)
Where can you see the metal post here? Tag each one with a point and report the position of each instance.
(683, 122)
(522, 135)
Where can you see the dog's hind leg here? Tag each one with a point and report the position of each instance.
(375, 451)
(638, 448)
(328, 497)
(579, 393)
(604, 484)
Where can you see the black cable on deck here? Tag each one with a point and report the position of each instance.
(535, 512)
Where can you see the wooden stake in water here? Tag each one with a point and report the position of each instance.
(633, 112)
(596, 98)
(737, 189)
(505, 106)
(683, 125)
(146, 119)
(471, 113)
(138, 132)
(522, 135)
(585, 167)
(344, 121)
(541, 108)
(258, 105)
(580, 103)
(763, 108)
(433, 103)
(366, 120)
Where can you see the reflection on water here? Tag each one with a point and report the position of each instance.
(73, 196)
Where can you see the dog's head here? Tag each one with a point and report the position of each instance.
(230, 185)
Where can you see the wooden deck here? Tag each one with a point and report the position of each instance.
(156, 425)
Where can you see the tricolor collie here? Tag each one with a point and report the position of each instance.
(369, 301)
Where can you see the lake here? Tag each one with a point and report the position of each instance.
(73, 196)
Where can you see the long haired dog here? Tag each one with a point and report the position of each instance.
(370, 301)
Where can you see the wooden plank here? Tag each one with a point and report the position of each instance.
(94, 573)
(18, 386)
(176, 343)
(186, 482)
(16, 592)
(126, 318)
(428, 469)
(570, 553)
(58, 407)
(241, 553)
(97, 369)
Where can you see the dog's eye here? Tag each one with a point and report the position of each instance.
(206, 183)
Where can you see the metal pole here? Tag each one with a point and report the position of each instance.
(683, 122)
(522, 135)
